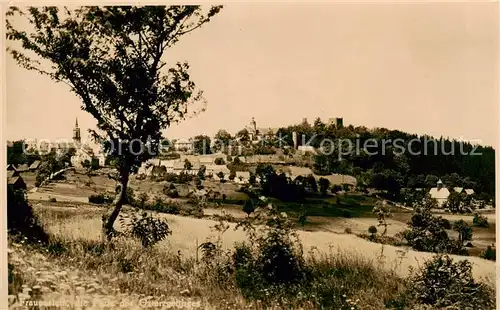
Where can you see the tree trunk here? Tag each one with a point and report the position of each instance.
(120, 200)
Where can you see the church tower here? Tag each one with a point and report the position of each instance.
(76, 133)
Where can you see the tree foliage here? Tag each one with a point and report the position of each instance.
(111, 58)
(202, 144)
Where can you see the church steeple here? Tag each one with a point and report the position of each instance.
(76, 133)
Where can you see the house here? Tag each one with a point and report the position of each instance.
(34, 165)
(11, 167)
(458, 189)
(16, 182)
(23, 168)
(12, 173)
(183, 146)
(469, 191)
(440, 193)
(84, 154)
(145, 170)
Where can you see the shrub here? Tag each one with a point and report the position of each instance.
(279, 257)
(148, 230)
(20, 217)
(97, 199)
(219, 161)
(337, 200)
(346, 214)
(169, 207)
(130, 196)
(479, 220)
(232, 175)
(336, 188)
(171, 177)
(464, 231)
(445, 223)
(372, 230)
(348, 230)
(303, 218)
(184, 178)
(489, 253)
(229, 158)
(242, 256)
(426, 231)
(52, 199)
(198, 183)
(171, 191)
(248, 207)
(142, 200)
(441, 282)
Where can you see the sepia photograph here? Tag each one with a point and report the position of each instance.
(335, 155)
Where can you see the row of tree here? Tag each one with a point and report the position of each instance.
(380, 164)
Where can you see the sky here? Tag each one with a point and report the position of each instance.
(421, 68)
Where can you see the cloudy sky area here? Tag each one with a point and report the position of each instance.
(420, 68)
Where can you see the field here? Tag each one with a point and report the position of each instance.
(127, 272)
(84, 222)
(324, 214)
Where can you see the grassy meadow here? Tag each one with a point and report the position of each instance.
(346, 272)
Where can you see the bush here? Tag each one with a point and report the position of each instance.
(171, 191)
(445, 223)
(20, 217)
(489, 253)
(148, 230)
(242, 256)
(130, 196)
(427, 232)
(97, 199)
(372, 230)
(184, 178)
(346, 214)
(142, 200)
(303, 218)
(279, 255)
(348, 230)
(336, 188)
(337, 200)
(441, 282)
(169, 207)
(198, 183)
(52, 199)
(480, 221)
(219, 161)
(171, 177)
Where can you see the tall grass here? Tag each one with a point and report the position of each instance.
(334, 279)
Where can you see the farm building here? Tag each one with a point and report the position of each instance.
(34, 165)
(15, 181)
(440, 193)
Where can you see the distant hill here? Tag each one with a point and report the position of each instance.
(392, 159)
